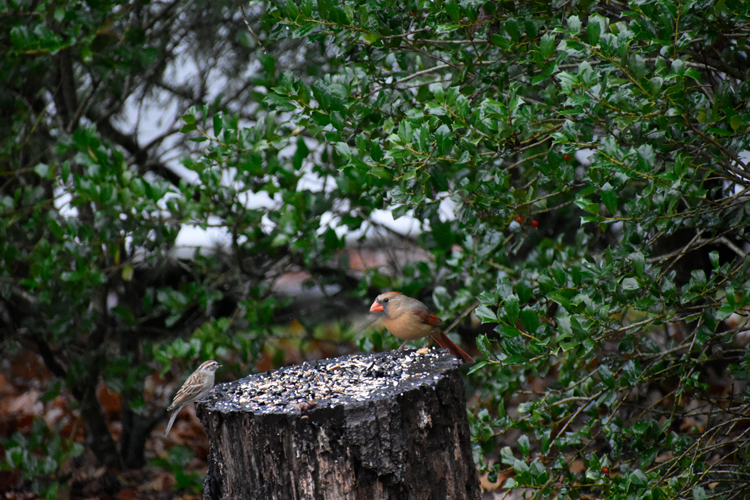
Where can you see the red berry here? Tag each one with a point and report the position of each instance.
(566, 157)
(605, 470)
(535, 224)
(519, 219)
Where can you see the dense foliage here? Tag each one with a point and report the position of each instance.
(577, 167)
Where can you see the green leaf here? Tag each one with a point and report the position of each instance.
(655, 85)
(485, 314)
(637, 66)
(443, 140)
(279, 240)
(629, 284)
(609, 198)
(520, 466)
(87, 55)
(331, 239)
(379, 280)
(370, 38)
(646, 157)
(279, 102)
(567, 81)
(300, 154)
(588, 205)
(380, 173)
(638, 478)
(639, 264)
(720, 131)
(437, 91)
(523, 445)
(422, 139)
(694, 74)
(593, 32)
(724, 312)
(337, 120)
(324, 9)
(574, 25)
(451, 8)
(547, 45)
(305, 30)
(125, 315)
(511, 309)
(376, 152)
(713, 256)
(699, 493)
(343, 149)
(477, 366)
(501, 41)
(530, 319)
(217, 124)
(508, 331)
(43, 171)
(484, 346)
(291, 10)
(348, 13)
(127, 273)
(511, 27)
(735, 122)
(188, 127)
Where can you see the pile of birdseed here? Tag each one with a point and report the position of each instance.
(331, 382)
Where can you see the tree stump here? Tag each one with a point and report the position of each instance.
(382, 426)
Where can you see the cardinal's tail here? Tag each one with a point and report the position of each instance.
(442, 339)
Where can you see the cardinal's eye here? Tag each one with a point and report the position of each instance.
(386, 300)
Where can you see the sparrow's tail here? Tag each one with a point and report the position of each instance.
(171, 420)
(442, 339)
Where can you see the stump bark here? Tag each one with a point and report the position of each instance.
(383, 426)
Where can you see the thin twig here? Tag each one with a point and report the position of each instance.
(250, 28)
(462, 316)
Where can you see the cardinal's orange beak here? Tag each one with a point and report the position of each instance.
(376, 307)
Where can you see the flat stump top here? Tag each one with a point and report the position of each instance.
(348, 380)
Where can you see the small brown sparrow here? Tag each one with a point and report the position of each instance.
(409, 319)
(195, 388)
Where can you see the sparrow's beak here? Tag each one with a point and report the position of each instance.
(376, 307)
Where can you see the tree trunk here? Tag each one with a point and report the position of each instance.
(383, 426)
(98, 438)
(136, 429)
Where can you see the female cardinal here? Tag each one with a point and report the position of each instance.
(409, 319)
